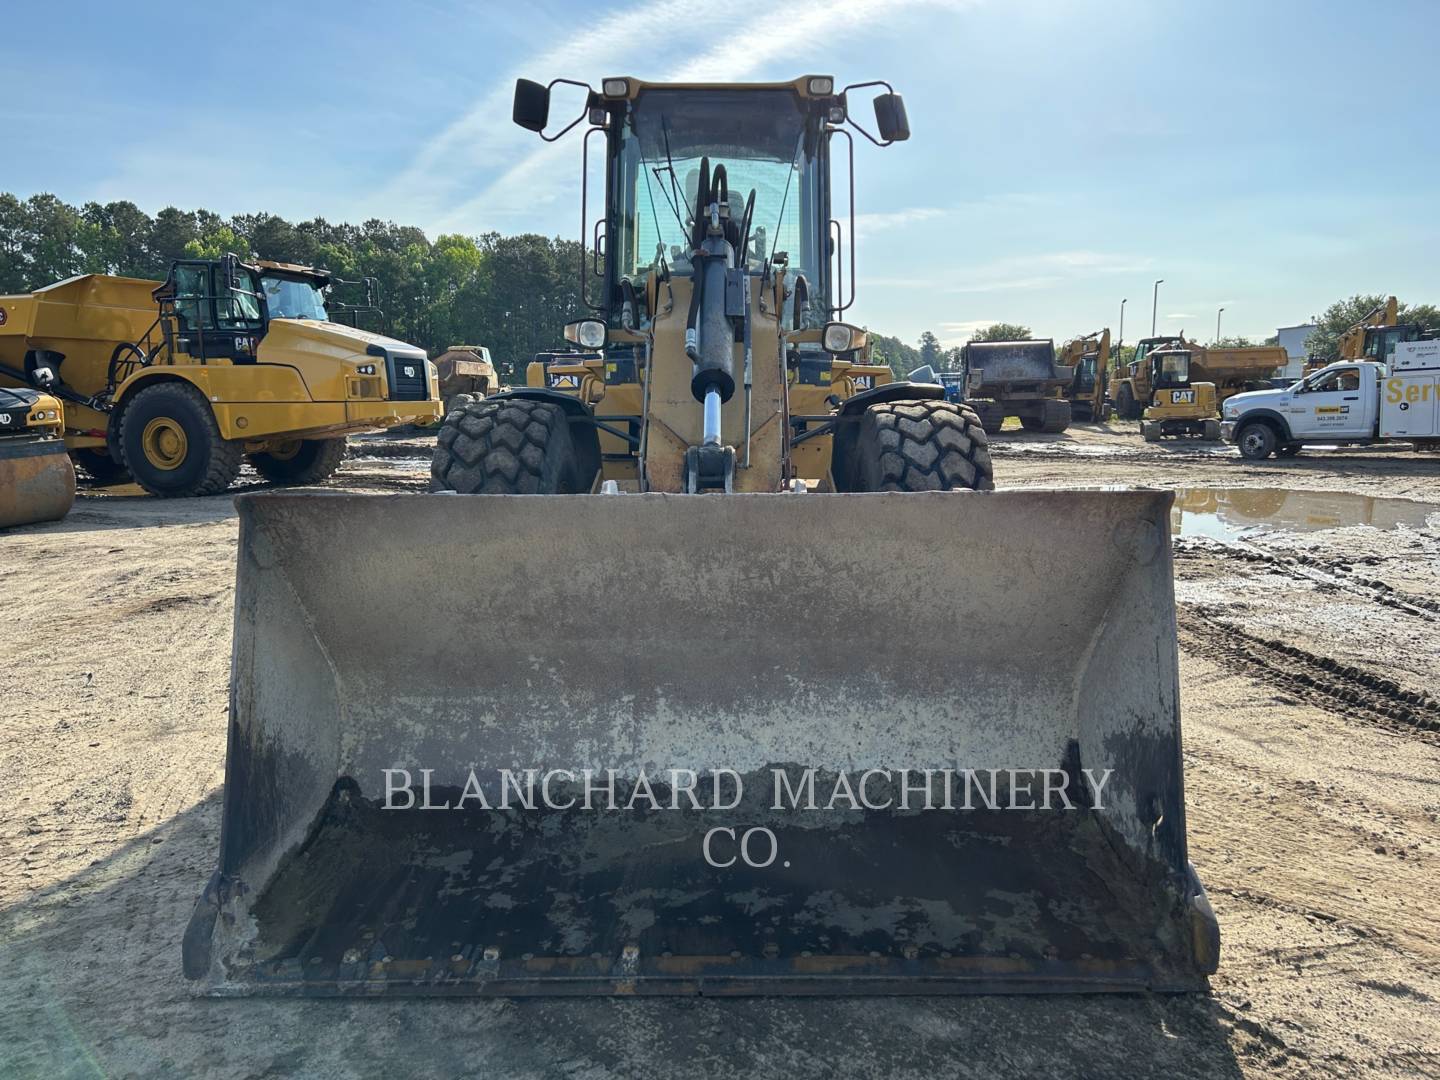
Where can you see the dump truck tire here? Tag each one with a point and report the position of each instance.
(1125, 404)
(506, 447)
(99, 466)
(172, 445)
(1256, 441)
(1054, 418)
(311, 461)
(922, 446)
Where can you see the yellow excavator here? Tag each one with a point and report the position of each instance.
(37, 480)
(1089, 356)
(777, 697)
(1373, 337)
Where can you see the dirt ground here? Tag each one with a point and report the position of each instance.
(1309, 649)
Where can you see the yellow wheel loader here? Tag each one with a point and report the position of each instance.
(37, 480)
(778, 697)
(176, 383)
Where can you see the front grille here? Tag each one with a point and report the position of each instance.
(407, 379)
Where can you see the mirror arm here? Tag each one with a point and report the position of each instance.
(584, 112)
(844, 96)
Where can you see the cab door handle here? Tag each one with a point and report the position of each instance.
(1353, 398)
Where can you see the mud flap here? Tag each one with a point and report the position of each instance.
(37, 481)
(747, 744)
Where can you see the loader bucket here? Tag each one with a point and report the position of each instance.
(37, 481)
(670, 744)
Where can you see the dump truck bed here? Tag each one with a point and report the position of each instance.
(1008, 367)
(1232, 365)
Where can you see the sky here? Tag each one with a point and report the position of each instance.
(1267, 157)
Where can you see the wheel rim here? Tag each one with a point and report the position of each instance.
(164, 443)
(285, 451)
(1254, 442)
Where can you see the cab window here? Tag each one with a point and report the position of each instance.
(1339, 379)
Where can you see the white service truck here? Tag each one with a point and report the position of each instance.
(1346, 403)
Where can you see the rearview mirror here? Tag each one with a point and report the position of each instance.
(890, 118)
(532, 105)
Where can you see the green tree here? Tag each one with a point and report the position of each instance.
(1233, 343)
(1002, 331)
(930, 350)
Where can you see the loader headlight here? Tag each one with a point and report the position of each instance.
(615, 87)
(587, 333)
(820, 85)
(365, 369)
(841, 337)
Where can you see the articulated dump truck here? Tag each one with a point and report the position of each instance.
(778, 695)
(176, 383)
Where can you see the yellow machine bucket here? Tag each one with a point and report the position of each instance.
(37, 481)
(668, 744)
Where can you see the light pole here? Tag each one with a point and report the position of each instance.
(1217, 325)
(1121, 340)
(1155, 304)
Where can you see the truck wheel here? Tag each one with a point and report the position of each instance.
(1212, 431)
(1256, 441)
(300, 461)
(1125, 404)
(99, 466)
(1289, 449)
(508, 447)
(921, 446)
(172, 445)
(1150, 432)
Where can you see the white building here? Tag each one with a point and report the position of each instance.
(1292, 340)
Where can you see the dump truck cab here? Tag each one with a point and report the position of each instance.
(178, 382)
(1179, 405)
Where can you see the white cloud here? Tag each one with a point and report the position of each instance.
(1040, 270)
(452, 185)
(874, 224)
(1180, 315)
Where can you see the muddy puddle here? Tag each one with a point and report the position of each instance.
(1237, 513)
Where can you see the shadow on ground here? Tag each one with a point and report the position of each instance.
(90, 985)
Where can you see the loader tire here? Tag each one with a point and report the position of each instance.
(303, 461)
(921, 446)
(99, 466)
(172, 445)
(1054, 418)
(1289, 449)
(512, 446)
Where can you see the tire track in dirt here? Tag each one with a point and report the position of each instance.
(1326, 573)
(1340, 688)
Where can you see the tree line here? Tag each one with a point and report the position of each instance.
(510, 293)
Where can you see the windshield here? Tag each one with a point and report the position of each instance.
(291, 298)
(1174, 368)
(759, 136)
